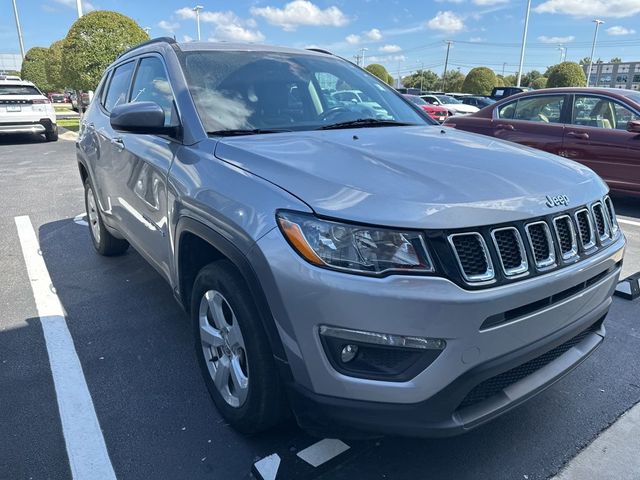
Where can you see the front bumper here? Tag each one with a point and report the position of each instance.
(303, 297)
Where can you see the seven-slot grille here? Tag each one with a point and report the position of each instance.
(590, 227)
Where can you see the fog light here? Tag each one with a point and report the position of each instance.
(348, 353)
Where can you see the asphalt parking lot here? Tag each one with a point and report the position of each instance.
(136, 354)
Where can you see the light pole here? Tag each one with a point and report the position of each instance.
(362, 50)
(197, 9)
(504, 65)
(524, 42)
(563, 51)
(79, 7)
(446, 64)
(15, 14)
(421, 76)
(593, 48)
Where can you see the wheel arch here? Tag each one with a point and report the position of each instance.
(197, 245)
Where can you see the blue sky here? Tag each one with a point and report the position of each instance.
(403, 35)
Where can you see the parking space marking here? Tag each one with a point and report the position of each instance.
(86, 449)
(81, 219)
(323, 451)
(628, 222)
(267, 468)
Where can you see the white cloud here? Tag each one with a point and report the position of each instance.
(227, 25)
(591, 8)
(447, 22)
(450, 1)
(86, 6)
(353, 39)
(567, 39)
(169, 27)
(301, 12)
(390, 48)
(477, 39)
(386, 58)
(485, 3)
(374, 34)
(618, 30)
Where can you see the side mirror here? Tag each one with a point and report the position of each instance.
(140, 117)
(633, 126)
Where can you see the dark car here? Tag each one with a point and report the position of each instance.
(599, 127)
(479, 102)
(57, 97)
(498, 93)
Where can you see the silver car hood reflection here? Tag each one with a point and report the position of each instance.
(412, 177)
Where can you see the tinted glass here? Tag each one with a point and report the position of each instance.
(601, 113)
(543, 109)
(18, 90)
(267, 90)
(119, 86)
(152, 85)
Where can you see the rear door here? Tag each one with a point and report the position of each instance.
(597, 136)
(534, 121)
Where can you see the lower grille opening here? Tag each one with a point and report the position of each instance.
(509, 315)
(495, 385)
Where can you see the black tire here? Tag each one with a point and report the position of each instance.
(106, 244)
(52, 136)
(265, 405)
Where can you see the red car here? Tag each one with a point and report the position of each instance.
(598, 127)
(439, 114)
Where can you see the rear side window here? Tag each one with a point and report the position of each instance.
(119, 86)
(542, 109)
(152, 85)
(19, 90)
(601, 113)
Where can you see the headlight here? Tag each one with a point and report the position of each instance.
(355, 248)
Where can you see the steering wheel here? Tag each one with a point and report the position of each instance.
(333, 112)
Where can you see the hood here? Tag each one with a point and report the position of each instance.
(412, 177)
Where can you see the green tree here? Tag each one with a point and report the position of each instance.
(426, 79)
(455, 80)
(586, 60)
(93, 42)
(390, 80)
(538, 83)
(380, 72)
(566, 74)
(529, 77)
(479, 81)
(499, 81)
(615, 60)
(510, 80)
(34, 68)
(53, 65)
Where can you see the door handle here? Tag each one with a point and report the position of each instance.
(581, 136)
(505, 126)
(118, 143)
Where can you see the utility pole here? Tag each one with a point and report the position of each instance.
(593, 48)
(357, 59)
(15, 14)
(197, 9)
(362, 50)
(446, 64)
(524, 42)
(421, 76)
(562, 53)
(504, 65)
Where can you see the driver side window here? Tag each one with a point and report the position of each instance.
(601, 112)
(152, 85)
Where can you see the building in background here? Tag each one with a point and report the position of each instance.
(10, 62)
(615, 75)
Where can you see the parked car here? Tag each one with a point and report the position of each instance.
(57, 97)
(439, 114)
(25, 109)
(498, 93)
(361, 98)
(453, 105)
(373, 275)
(478, 101)
(598, 127)
(74, 100)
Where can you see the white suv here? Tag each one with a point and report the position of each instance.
(25, 109)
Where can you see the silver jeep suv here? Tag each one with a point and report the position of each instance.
(371, 275)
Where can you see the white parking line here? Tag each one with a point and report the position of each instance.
(628, 222)
(323, 451)
(87, 452)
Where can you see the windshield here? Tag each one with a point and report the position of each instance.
(416, 100)
(447, 99)
(633, 96)
(267, 91)
(18, 90)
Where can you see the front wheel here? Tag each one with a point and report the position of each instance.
(234, 355)
(104, 243)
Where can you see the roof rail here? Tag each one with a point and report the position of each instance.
(320, 50)
(168, 40)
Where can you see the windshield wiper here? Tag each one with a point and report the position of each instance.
(365, 122)
(246, 131)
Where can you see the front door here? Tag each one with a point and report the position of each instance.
(598, 138)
